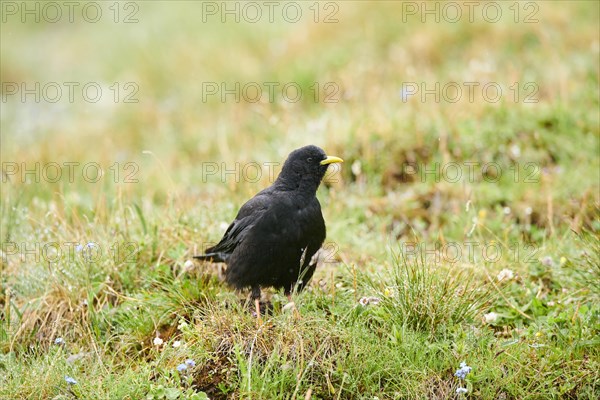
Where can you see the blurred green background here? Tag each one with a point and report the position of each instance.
(356, 75)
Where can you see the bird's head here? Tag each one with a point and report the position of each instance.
(305, 167)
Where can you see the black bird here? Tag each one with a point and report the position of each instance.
(276, 233)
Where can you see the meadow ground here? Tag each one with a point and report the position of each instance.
(463, 226)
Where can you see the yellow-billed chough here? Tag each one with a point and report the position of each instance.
(276, 233)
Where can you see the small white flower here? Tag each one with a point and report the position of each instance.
(374, 300)
(157, 341)
(188, 265)
(176, 344)
(461, 390)
(490, 318)
(515, 150)
(365, 301)
(506, 210)
(356, 168)
(182, 325)
(505, 274)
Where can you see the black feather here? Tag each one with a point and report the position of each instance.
(276, 233)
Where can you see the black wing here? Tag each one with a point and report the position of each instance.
(250, 213)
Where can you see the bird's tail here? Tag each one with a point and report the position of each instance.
(212, 257)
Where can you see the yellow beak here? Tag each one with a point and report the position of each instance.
(331, 160)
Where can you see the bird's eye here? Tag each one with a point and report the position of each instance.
(309, 159)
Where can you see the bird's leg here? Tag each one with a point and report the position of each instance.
(257, 307)
(256, 296)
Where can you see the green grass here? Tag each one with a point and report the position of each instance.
(423, 250)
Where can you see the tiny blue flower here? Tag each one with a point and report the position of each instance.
(58, 341)
(181, 367)
(90, 245)
(463, 371)
(461, 390)
(547, 261)
(190, 363)
(78, 248)
(70, 380)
